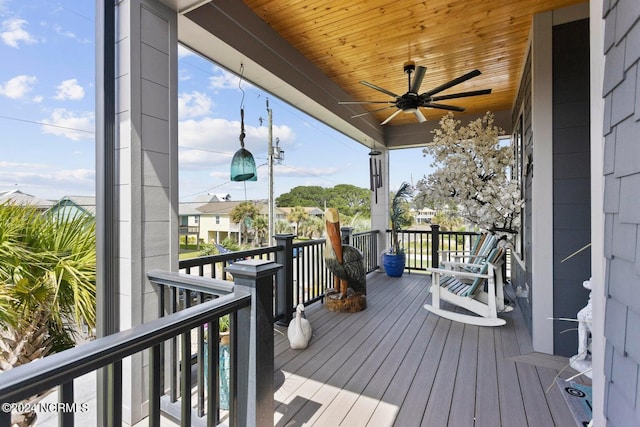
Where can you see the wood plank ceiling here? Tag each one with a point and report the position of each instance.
(370, 40)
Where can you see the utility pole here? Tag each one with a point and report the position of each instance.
(273, 154)
(270, 161)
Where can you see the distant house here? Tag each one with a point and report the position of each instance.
(19, 198)
(209, 197)
(208, 218)
(70, 206)
(423, 215)
(189, 222)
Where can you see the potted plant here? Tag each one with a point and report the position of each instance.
(393, 261)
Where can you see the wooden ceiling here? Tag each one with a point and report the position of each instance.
(370, 40)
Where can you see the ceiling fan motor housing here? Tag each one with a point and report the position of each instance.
(409, 100)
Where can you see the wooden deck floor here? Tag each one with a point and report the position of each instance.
(395, 364)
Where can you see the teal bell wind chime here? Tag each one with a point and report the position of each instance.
(243, 166)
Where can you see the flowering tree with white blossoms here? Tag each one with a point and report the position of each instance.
(471, 174)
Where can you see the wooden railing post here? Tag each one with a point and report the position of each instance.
(254, 337)
(346, 235)
(284, 278)
(435, 245)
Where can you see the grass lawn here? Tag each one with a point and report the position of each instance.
(188, 254)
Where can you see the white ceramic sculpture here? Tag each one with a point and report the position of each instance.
(581, 362)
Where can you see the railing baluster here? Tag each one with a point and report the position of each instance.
(114, 400)
(185, 370)
(233, 369)
(185, 379)
(173, 351)
(65, 395)
(155, 384)
(5, 418)
(200, 376)
(213, 416)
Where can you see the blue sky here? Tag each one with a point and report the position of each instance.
(47, 103)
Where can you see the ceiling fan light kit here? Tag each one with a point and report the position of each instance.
(412, 100)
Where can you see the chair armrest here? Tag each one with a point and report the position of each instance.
(463, 274)
(461, 264)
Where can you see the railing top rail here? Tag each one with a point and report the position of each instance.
(364, 233)
(231, 256)
(457, 233)
(303, 243)
(190, 282)
(28, 380)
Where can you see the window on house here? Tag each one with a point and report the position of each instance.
(519, 173)
(217, 219)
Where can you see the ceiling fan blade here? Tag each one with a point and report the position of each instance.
(452, 83)
(372, 111)
(417, 79)
(443, 107)
(460, 95)
(391, 117)
(421, 118)
(365, 102)
(378, 88)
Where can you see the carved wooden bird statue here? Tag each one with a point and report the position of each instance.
(299, 332)
(344, 261)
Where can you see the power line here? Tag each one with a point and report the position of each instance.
(46, 124)
(206, 191)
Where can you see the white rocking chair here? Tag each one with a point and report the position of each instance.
(478, 253)
(464, 287)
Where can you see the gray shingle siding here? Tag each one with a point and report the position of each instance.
(622, 211)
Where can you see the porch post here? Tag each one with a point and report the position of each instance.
(284, 279)
(255, 342)
(346, 235)
(147, 171)
(435, 246)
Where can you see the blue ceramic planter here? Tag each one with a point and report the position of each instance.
(393, 264)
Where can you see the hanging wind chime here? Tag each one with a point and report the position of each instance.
(375, 172)
(243, 166)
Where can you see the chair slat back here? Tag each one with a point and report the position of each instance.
(494, 256)
(488, 243)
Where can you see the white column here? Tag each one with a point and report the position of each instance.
(542, 183)
(596, 29)
(147, 153)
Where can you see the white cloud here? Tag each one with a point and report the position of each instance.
(210, 141)
(69, 34)
(13, 34)
(193, 104)
(18, 86)
(223, 79)
(69, 89)
(46, 181)
(184, 75)
(70, 125)
(183, 51)
(286, 170)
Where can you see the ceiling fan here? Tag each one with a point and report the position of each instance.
(412, 101)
